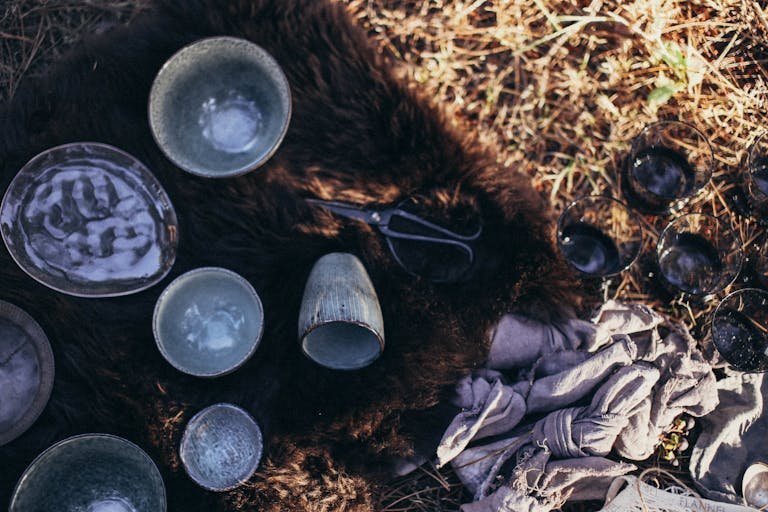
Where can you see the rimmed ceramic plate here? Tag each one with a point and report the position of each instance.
(26, 371)
(89, 220)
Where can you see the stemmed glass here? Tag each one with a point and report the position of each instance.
(670, 162)
(740, 330)
(759, 259)
(699, 254)
(599, 236)
(756, 178)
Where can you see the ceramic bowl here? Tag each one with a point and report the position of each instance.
(341, 326)
(26, 371)
(208, 322)
(221, 447)
(220, 107)
(91, 473)
(755, 486)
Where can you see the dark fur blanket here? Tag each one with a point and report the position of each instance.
(357, 134)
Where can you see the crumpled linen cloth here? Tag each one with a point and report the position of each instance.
(733, 437)
(537, 423)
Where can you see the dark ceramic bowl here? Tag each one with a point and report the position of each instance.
(220, 107)
(208, 322)
(221, 447)
(91, 473)
(26, 371)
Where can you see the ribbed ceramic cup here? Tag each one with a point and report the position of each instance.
(91, 473)
(341, 326)
(221, 447)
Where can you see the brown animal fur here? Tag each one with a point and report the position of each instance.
(357, 134)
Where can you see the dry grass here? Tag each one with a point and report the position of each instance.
(35, 32)
(561, 86)
(558, 86)
(426, 490)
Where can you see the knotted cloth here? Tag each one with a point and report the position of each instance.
(554, 400)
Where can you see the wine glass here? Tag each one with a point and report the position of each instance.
(740, 330)
(759, 258)
(599, 236)
(669, 163)
(756, 178)
(699, 254)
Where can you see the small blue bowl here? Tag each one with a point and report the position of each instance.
(208, 322)
(220, 107)
(221, 447)
(91, 473)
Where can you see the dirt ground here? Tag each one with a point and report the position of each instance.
(559, 87)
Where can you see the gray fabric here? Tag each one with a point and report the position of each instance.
(584, 478)
(733, 437)
(518, 341)
(634, 384)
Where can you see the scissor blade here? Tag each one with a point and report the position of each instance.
(349, 211)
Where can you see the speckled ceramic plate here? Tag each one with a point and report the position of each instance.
(26, 372)
(89, 220)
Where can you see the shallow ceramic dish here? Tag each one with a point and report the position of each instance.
(221, 447)
(220, 107)
(89, 220)
(91, 473)
(208, 322)
(26, 371)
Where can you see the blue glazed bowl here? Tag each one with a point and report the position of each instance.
(221, 447)
(91, 473)
(220, 107)
(208, 322)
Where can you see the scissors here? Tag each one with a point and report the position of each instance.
(421, 247)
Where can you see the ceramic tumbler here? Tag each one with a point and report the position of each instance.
(341, 326)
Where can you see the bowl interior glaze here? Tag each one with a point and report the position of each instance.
(208, 322)
(91, 473)
(220, 107)
(221, 447)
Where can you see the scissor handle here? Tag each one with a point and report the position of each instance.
(424, 223)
